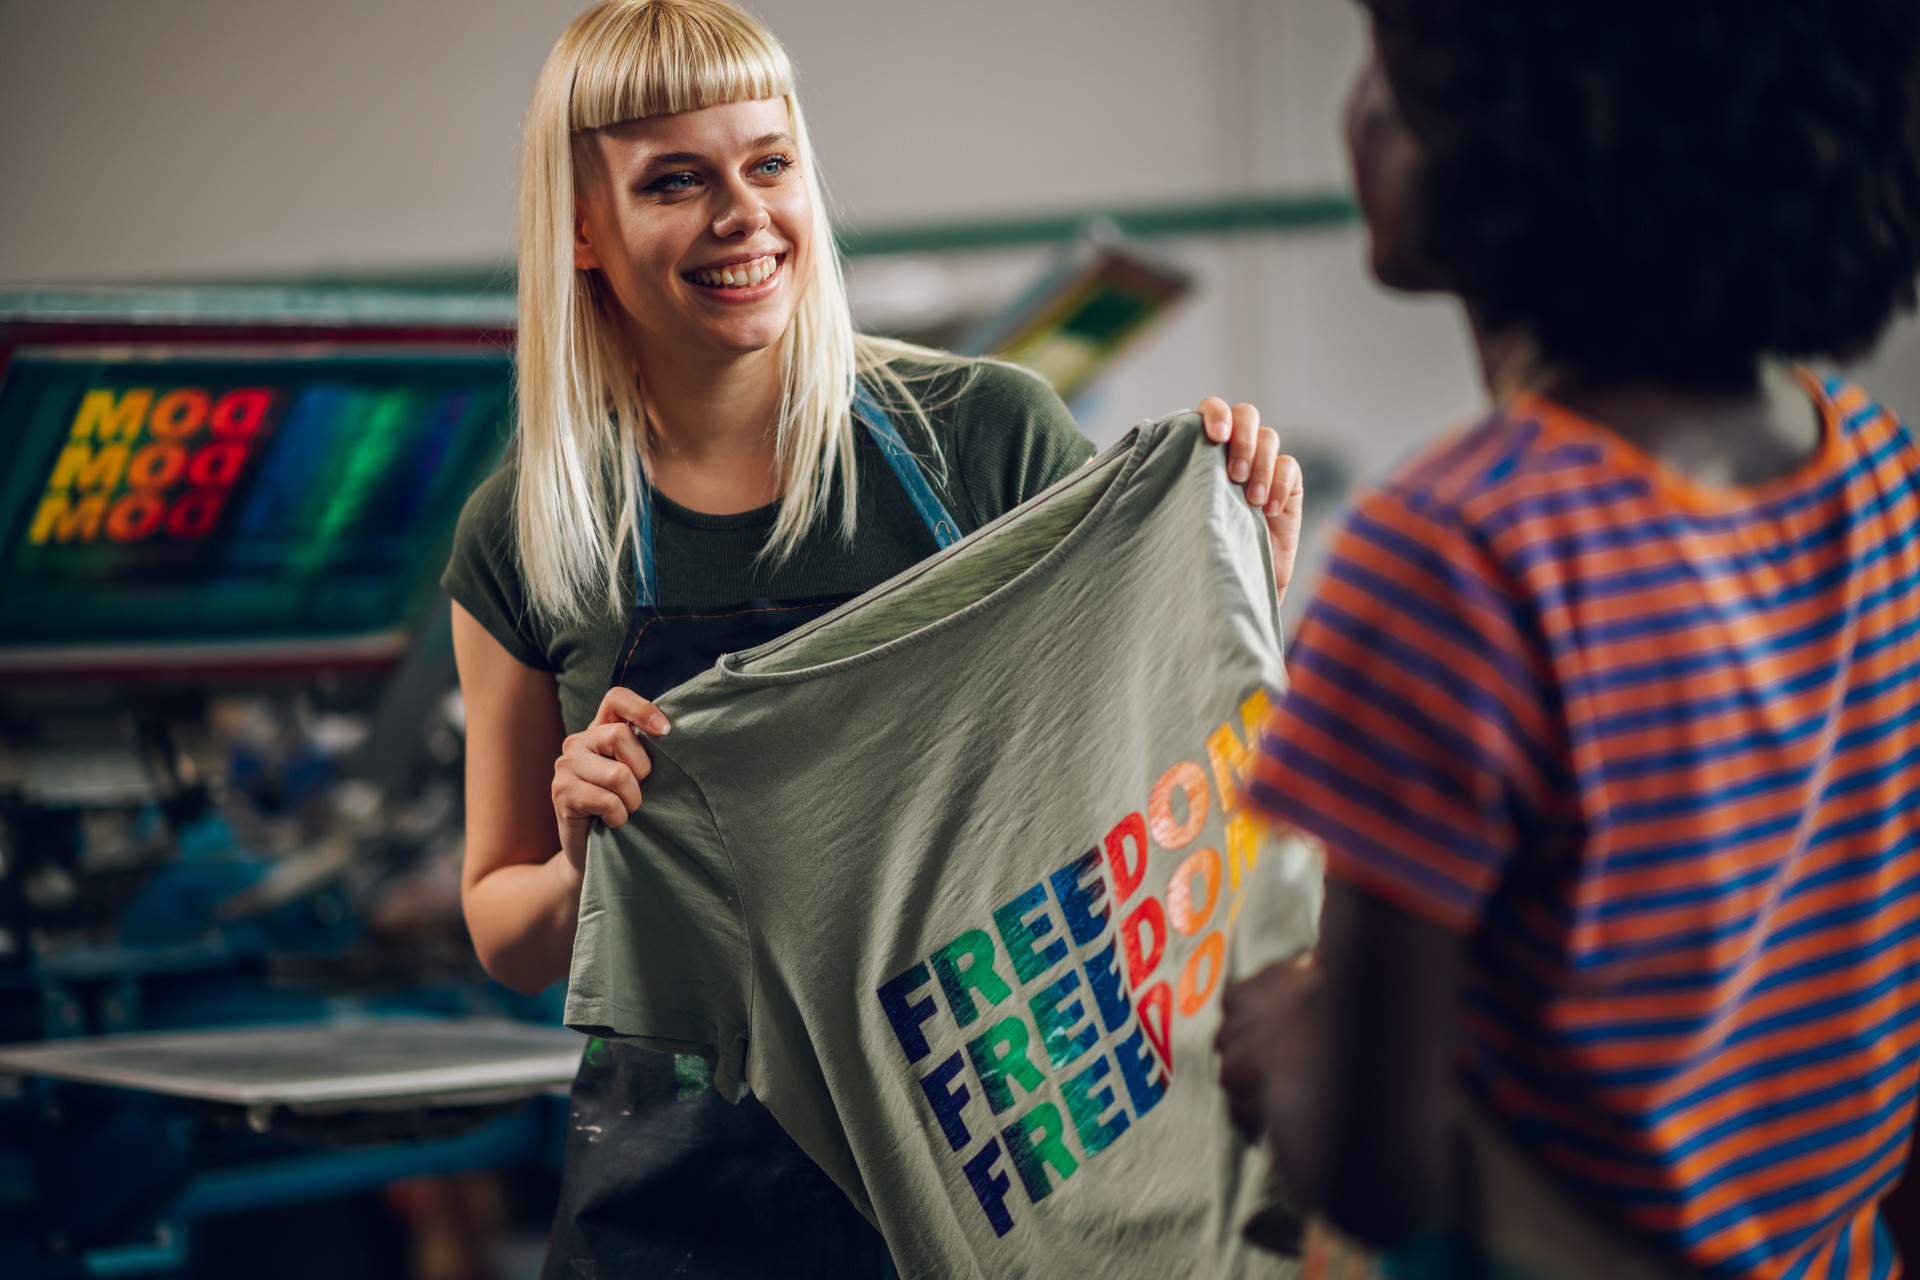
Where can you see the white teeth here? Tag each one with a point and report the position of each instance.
(740, 275)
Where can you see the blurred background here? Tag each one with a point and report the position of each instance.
(238, 1017)
(375, 141)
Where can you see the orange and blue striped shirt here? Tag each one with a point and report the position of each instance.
(1655, 749)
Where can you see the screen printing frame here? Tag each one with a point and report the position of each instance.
(337, 1064)
(209, 323)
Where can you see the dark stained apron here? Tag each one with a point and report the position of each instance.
(663, 1177)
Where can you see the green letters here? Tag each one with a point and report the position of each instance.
(964, 966)
(1057, 1020)
(1034, 1142)
(999, 1054)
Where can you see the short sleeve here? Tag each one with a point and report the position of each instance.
(483, 573)
(661, 957)
(1012, 437)
(1417, 736)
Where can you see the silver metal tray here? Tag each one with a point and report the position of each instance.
(344, 1064)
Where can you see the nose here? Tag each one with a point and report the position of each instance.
(742, 215)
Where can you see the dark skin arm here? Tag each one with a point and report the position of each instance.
(1341, 1063)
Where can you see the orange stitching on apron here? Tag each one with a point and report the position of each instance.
(621, 678)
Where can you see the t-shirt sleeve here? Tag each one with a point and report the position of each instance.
(483, 572)
(1416, 736)
(661, 957)
(1013, 437)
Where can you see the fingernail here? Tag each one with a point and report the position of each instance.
(1256, 494)
(1274, 508)
(1239, 471)
(660, 724)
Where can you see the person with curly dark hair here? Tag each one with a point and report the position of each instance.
(1605, 710)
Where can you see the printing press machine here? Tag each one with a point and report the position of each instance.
(233, 975)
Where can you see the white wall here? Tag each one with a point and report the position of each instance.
(205, 137)
(217, 136)
(198, 138)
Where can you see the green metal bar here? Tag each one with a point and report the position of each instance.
(474, 291)
(1268, 213)
(367, 299)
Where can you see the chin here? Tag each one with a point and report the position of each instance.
(747, 343)
(1401, 270)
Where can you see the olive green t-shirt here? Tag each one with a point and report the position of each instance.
(953, 879)
(999, 435)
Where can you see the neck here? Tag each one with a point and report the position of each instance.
(1509, 357)
(1721, 438)
(1738, 432)
(706, 409)
(1651, 406)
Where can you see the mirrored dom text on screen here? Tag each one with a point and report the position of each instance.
(223, 496)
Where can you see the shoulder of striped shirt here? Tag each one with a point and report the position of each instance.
(1857, 409)
(1473, 472)
(1478, 469)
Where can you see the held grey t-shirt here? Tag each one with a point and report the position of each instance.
(949, 876)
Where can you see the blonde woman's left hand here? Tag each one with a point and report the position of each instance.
(1270, 478)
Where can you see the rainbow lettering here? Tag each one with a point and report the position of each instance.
(1059, 988)
(147, 462)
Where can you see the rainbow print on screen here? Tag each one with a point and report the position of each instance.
(163, 496)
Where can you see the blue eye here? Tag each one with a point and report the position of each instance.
(672, 182)
(773, 166)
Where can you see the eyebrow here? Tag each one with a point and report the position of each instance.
(693, 157)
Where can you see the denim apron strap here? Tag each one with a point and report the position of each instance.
(643, 579)
(906, 468)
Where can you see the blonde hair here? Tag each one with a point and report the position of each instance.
(583, 427)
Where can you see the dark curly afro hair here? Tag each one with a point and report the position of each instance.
(1671, 190)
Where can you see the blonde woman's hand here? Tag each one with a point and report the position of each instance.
(600, 768)
(1270, 479)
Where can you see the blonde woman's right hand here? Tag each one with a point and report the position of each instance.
(600, 768)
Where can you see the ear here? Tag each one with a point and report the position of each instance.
(584, 257)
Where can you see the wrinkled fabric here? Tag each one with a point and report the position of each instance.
(953, 876)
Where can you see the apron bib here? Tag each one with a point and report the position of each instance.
(661, 1175)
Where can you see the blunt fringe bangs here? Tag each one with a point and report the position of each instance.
(659, 57)
(583, 462)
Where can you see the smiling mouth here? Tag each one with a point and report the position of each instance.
(738, 275)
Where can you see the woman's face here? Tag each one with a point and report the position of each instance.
(700, 224)
(1387, 160)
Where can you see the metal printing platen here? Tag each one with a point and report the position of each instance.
(376, 1062)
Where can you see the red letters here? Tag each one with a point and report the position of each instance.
(178, 414)
(1142, 961)
(241, 412)
(195, 515)
(1126, 879)
(217, 465)
(135, 516)
(156, 466)
(1156, 1017)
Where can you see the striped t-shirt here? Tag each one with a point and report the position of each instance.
(1656, 749)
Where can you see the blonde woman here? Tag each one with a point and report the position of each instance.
(708, 455)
